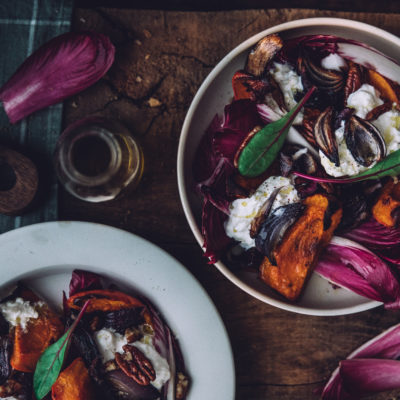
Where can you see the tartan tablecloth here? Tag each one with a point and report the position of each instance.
(24, 26)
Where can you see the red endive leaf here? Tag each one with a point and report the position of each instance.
(382, 240)
(82, 280)
(386, 345)
(366, 376)
(60, 68)
(352, 266)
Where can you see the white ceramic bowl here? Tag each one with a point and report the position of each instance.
(319, 297)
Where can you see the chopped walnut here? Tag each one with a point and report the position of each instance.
(147, 329)
(133, 334)
(182, 386)
(110, 366)
(10, 388)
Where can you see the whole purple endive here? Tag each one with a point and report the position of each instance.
(372, 368)
(62, 67)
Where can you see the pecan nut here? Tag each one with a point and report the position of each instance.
(378, 111)
(136, 365)
(353, 81)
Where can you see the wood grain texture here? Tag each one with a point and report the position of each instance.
(165, 56)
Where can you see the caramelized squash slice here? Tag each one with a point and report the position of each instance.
(31, 342)
(385, 209)
(73, 383)
(384, 86)
(103, 300)
(298, 253)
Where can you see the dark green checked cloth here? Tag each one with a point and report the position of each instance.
(24, 26)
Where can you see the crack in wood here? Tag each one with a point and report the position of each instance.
(321, 382)
(140, 101)
(162, 109)
(248, 24)
(182, 56)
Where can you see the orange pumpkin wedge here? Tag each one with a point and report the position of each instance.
(103, 300)
(387, 203)
(383, 85)
(73, 383)
(297, 254)
(31, 342)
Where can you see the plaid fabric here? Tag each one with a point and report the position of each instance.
(24, 26)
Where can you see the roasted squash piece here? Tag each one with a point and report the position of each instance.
(384, 210)
(246, 86)
(103, 300)
(298, 253)
(106, 300)
(73, 383)
(39, 334)
(384, 86)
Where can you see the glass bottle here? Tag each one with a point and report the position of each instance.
(96, 159)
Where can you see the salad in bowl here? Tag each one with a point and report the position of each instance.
(299, 173)
(107, 344)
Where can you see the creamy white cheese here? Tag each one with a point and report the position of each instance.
(160, 364)
(388, 125)
(290, 83)
(110, 342)
(242, 211)
(348, 165)
(9, 398)
(19, 312)
(333, 62)
(364, 100)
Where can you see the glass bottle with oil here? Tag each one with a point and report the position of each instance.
(97, 159)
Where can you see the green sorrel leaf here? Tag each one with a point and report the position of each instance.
(51, 361)
(389, 166)
(264, 147)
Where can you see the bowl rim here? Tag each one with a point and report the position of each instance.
(300, 23)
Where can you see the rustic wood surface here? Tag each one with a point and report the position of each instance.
(162, 58)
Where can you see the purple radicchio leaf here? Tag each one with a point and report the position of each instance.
(168, 347)
(240, 118)
(84, 280)
(384, 346)
(213, 189)
(267, 114)
(352, 266)
(59, 69)
(215, 238)
(383, 241)
(224, 136)
(205, 159)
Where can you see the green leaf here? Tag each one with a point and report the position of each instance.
(389, 166)
(264, 147)
(52, 359)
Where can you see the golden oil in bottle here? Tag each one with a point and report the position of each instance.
(97, 159)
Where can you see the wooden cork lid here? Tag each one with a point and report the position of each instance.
(18, 189)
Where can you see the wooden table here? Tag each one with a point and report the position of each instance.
(161, 59)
